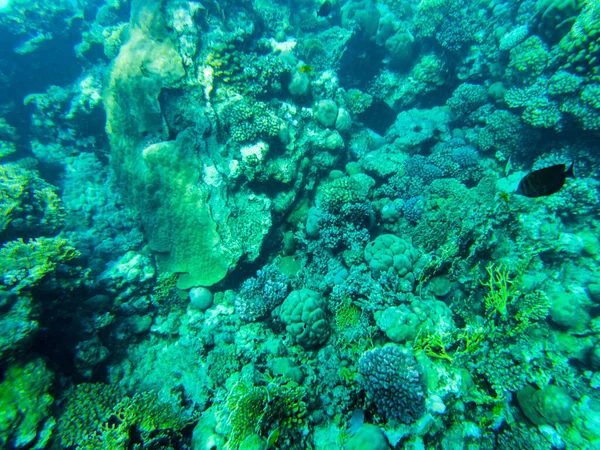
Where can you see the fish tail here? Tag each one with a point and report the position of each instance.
(569, 172)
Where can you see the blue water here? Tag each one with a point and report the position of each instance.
(299, 224)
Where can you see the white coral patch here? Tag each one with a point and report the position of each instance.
(212, 177)
(254, 153)
(234, 168)
(282, 47)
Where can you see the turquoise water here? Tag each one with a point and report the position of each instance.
(296, 225)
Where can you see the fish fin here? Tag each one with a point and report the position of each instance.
(569, 172)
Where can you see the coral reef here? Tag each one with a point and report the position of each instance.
(292, 225)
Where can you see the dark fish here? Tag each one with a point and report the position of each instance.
(546, 181)
(325, 9)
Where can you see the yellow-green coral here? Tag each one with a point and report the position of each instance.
(7, 148)
(12, 186)
(26, 406)
(347, 315)
(501, 291)
(471, 337)
(49, 202)
(25, 263)
(98, 416)
(165, 289)
(432, 344)
(24, 195)
(274, 412)
(85, 408)
(581, 43)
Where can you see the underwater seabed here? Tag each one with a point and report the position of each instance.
(309, 224)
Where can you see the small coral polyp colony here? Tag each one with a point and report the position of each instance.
(292, 225)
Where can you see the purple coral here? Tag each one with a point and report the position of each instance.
(419, 166)
(465, 156)
(392, 381)
(413, 209)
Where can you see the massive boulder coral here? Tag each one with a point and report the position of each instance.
(389, 253)
(173, 183)
(303, 313)
(415, 129)
(405, 322)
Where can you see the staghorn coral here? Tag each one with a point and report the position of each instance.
(248, 122)
(429, 17)
(341, 192)
(504, 132)
(466, 98)
(357, 102)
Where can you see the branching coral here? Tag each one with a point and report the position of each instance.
(528, 60)
(501, 291)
